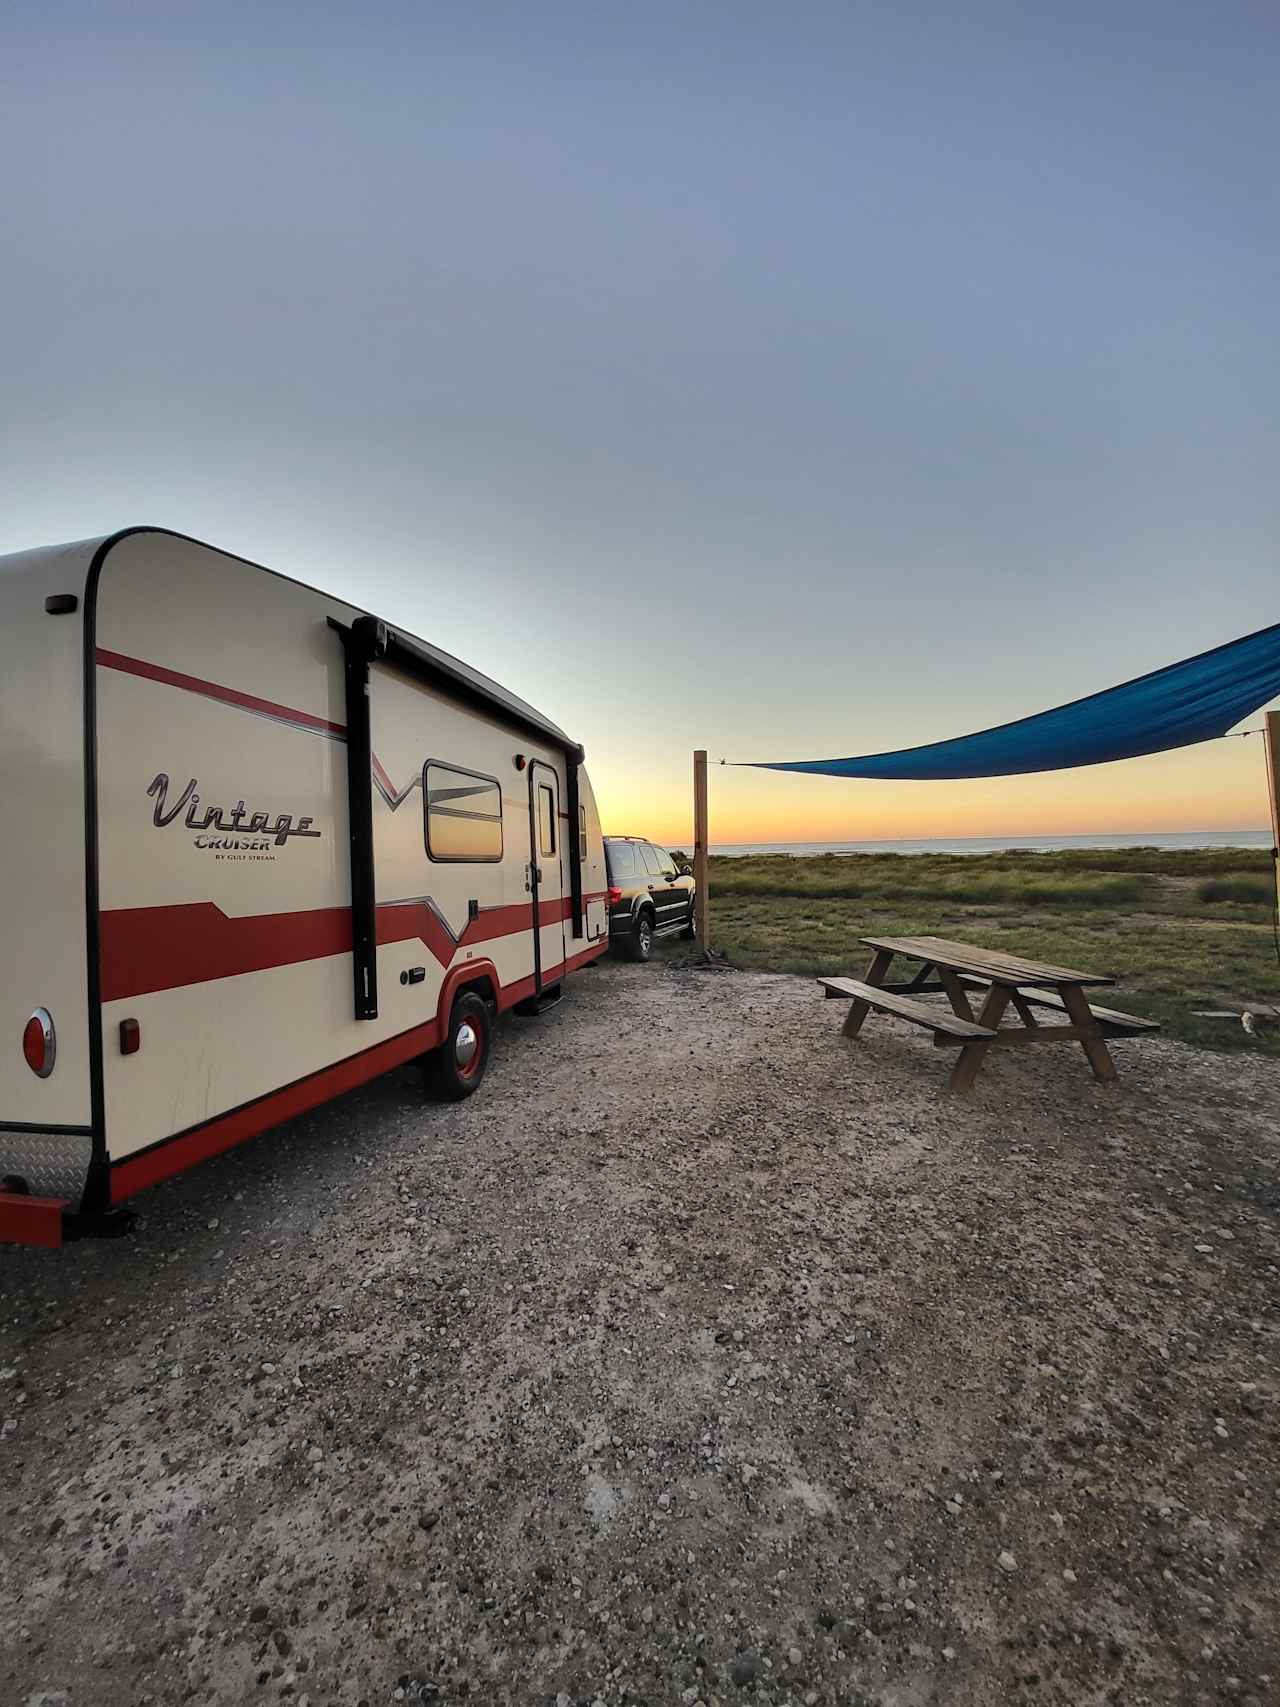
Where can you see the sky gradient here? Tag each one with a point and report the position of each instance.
(782, 381)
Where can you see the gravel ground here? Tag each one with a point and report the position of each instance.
(703, 1356)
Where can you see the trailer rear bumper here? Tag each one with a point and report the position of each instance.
(32, 1220)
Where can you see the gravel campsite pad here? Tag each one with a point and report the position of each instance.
(702, 1356)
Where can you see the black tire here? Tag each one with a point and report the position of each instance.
(456, 1069)
(691, 928)
(640, 944)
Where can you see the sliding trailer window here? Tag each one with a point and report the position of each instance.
(463, 815)
(546, 819)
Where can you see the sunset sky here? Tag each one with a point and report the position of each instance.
(785, 381)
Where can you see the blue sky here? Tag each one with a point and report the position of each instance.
(784, 381)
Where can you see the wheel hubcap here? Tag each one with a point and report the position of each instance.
(466, 1048)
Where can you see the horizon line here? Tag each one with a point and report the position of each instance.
(1038, 836)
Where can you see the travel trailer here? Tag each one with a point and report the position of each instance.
(260, 848)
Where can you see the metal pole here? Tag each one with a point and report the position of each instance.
(700, 848)
(1271, 737)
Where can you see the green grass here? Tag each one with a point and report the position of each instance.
(832, 879)
(1250, 890)
(1180, 931)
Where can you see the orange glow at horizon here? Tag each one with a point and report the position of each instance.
(1218, 785)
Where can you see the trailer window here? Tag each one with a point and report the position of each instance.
(464, 815)
(546, 819)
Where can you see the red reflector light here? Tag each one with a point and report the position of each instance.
(38, 1043)
(33, 1045)
(615, 895)
(130, 1037)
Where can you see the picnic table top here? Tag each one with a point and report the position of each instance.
(989, 963)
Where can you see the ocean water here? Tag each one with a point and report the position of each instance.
(1002, 844)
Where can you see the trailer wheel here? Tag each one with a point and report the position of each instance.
(458, 1066)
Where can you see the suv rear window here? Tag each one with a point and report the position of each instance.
(621, 859)
(652, 863)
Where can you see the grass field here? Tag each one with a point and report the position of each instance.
(1181, 930)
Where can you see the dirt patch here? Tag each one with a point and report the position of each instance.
(702, 1356)
(1179, 922)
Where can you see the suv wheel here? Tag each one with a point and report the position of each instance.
(642, 937)
(691, 928)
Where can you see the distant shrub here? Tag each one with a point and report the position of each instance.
(1252, 891)
(907, 880)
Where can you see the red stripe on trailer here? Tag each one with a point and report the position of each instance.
(144, 949)
(163, 948)
(175, 1155)
(214, 690)
(31, 1220)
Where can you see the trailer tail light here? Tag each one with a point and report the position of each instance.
(130, 1037)
(615, 895)
(39, 1043)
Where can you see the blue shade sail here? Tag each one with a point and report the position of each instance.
(1195, 700)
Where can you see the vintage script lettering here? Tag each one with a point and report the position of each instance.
(216, 818)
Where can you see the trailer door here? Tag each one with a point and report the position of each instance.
(546, 865)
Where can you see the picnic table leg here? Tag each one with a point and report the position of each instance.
(956, 995)
(973, 1055)
(881, 960)
(1077, 1005)
(1025, 1012)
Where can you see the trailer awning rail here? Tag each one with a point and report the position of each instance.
(379, 642)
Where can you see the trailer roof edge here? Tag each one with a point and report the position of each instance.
(410, 654)
(377, 640)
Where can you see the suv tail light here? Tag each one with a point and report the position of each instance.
(615, 895)
(39, 1044)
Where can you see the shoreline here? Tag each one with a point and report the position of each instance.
(1162, 840)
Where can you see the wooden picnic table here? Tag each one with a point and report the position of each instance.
(957, 970)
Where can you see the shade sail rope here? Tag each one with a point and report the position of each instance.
(1199, 699)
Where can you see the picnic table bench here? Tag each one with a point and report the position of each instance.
(957, 969)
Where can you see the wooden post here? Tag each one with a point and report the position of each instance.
(700, 848)
(1271, 736)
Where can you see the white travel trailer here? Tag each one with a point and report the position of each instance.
(260, 848)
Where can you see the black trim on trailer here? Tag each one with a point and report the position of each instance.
(575, 841)
(535, 871)
(44, 1129)
(97, 1186)
(364, 641)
